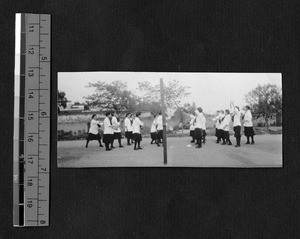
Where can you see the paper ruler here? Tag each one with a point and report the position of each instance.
(32, 120)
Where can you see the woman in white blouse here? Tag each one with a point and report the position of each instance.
(153, 130)
(94, 134)
(136, 125)
(128, 128)
(236, 115)
(108, 134)
(248, 125)
(225, 127)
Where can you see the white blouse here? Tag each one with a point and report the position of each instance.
(94, 126)
(153, 126)
(128, 126)
(225, 122)
(159, 122)
(248, 119)
(200, 120)
(108, 128)
(136, 125)
(236, 117)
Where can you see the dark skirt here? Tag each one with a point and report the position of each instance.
(108, 138)
(237, 131)
(160, 134)
(219, 133)
(117, 135)
(225, 134)
(154, 135)
(93, 136)
(204, 133)
(137, 137)
(192, 133)
(222, 133)
(198, 133)
(128, 134)
(249, 131)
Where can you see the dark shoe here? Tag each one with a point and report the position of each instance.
(140, 148)
(135, 149)
(252, 142)
(248, 143)
(158, 145)
(112, 147)
(86, 146)
(192, 141)
(229, 143)
(223, 143)
(238, 146)
(107, 149)
(198, 146)
(121, 146)
(101, 145)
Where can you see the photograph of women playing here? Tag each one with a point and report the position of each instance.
(148, 119)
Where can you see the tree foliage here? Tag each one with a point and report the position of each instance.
(265, 101)
(174, 93)
(62, 99)
(112, 96)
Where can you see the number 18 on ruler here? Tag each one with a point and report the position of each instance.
(32, 120)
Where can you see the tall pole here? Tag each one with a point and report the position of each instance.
(162, 96)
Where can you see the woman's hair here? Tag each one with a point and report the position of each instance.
(248, 107)
(227, 111)
(93, 116)
(138, 114)
(107, 113)
(128, 114)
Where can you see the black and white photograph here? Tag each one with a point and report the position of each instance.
(165, 119)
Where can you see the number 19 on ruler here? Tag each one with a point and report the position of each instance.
(32, 120)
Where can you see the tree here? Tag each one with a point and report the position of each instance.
(61, 99)
(174, 93)
(265, 101)
(112, 96)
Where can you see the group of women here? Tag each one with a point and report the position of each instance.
(222, 124)
(132, 125)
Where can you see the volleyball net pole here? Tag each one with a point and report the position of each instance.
(162, 97)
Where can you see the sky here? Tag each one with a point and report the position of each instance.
(211, 91)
